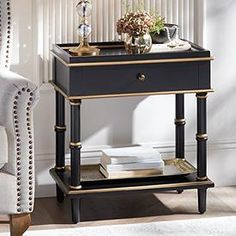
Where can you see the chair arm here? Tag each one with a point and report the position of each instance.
(17, 98)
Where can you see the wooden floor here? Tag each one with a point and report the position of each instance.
(134, 208)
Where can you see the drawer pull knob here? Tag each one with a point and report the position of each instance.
(141, 77)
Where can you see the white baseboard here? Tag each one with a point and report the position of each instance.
(218, 151)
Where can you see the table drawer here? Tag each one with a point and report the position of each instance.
(125, 79)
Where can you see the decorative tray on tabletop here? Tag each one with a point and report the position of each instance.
(172, 167)
(115, 51)
(176, 171)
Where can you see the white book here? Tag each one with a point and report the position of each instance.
(130, 173)
(134, 166)
(130, 155)
(129, 151)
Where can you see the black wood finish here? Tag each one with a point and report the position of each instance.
(75, 206)
(135, 185)
(179, 191)
(60, 139)
(180, 123)
(75, 144)
(115, 73)
(60, 130)
(60, 194)
(202, 198)
(75, 147)
(124, 79)
(201, 135)
(201, 148)
(95, 79)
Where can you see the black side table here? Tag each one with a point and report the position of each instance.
(115, 74)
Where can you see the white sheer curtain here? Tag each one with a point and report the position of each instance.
(57, 21)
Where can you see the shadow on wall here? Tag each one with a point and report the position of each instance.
(133, 120)
(222, 118)
(214, 9)
(110, 118)
(220, 39)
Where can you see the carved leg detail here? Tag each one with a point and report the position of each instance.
(180, 123)
(201, 137)
(60, 129)
(201, 148)
(75, 144)
(19, 224)
(75, 147)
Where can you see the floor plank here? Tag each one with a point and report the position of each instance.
(135, 208)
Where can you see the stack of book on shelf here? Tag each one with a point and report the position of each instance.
(131, 162)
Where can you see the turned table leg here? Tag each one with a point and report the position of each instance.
(60, 129)
(19, 224)
(179, 129)
(179, 123)
(201, 148)
(75, 147)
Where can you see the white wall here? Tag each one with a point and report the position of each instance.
(219, 37)
(147, 120)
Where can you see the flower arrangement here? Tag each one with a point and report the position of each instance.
(135, 23)
(159, 24)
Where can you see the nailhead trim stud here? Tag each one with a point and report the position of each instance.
(18, 149)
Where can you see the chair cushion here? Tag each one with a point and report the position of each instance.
(8, 194)
(3, 147)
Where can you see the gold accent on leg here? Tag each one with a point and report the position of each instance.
(201, 136)
(78, 144)
(201, 96)
(75, 102)
(180, 121)
(75, 187)
(60, 128)
(59, 167)
(202, 178)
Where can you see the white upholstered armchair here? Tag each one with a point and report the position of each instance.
(17, 98)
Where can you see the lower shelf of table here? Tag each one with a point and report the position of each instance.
(92, 182)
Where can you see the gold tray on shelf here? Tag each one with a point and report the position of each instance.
(172, 167)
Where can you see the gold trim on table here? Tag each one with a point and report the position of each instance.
(78, 144)
(142, 187)
(201, 96)
(75, 187)
(180, 121)
(75, 102)
(56, 127)
(60, 168)
(128, 94)
(201, 136)
(134, 62)
(202, 178)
